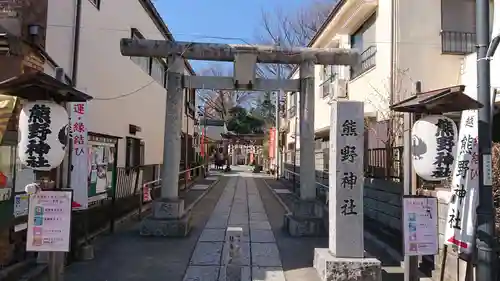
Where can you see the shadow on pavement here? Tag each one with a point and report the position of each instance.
(127, 256)
(297, 254)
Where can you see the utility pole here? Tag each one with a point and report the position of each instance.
(486, 255)
(56, 259)
(277, 122)
(410, 262)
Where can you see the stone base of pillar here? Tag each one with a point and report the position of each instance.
(169, 219)
(306, 219)
(332, 268)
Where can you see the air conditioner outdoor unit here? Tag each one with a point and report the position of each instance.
(338, 88)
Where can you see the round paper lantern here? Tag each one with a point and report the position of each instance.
(43, 134)
(434, 143)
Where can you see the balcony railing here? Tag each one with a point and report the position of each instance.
(367, 62)
(458, 42)
(292, 111)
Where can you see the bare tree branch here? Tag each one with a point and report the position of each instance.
(293, 29)
(388, 132)
(218, 103)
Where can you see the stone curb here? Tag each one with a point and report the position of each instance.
(277, 197)
(192, 205)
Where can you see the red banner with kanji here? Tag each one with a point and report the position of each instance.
(272, 142)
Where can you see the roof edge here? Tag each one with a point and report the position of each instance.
(162, 26)
(336, 8)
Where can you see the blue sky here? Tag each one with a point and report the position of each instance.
(197, 20)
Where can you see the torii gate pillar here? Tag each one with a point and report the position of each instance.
(168, 217)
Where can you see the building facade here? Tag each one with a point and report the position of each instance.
(128, 92)
(125, 120)
(397, 48)
(400, 42)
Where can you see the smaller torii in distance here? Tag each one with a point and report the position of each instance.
(169, 217)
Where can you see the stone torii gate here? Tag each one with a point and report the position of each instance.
(169, 217)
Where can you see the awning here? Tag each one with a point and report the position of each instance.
(438, 101)
(41, 86)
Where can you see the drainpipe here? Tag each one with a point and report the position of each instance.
(392, 51)
(76, 42)
(74, 71)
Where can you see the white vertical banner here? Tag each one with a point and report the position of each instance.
(79, 155)
(461, 219)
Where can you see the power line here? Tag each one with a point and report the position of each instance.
(241, 39)
(127, 94)
(196, 35)
(140, 88)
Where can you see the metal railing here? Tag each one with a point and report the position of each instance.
(321, 188)
(458, 42)
(380, 164)
(367, 62)
(292, 111)
(148, 189)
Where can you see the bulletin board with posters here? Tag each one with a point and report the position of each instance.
(420, 225)
(102, 166)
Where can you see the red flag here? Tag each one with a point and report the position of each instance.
(272, 141)
(75, 205)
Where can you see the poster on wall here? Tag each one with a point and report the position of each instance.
(21, 205)
(49, 221)
(79, 155)
(100, 174)
(420, 226)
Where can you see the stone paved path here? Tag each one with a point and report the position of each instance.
(239, 205)
(240, 199)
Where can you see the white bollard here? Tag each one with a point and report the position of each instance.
(233, 262)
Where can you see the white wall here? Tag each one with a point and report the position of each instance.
(419, 46)
(105, 74)
(59, 33)
(469, 75)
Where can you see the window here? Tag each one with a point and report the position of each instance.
(142, 62)
(96, 3)
(292, 110)
(363, 40)
(158, 71)
(134, 154)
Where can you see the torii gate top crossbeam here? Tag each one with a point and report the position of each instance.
(227, 52)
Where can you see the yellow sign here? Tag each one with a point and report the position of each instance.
(7, 105)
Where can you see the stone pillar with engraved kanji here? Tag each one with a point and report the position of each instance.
(344, 259)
